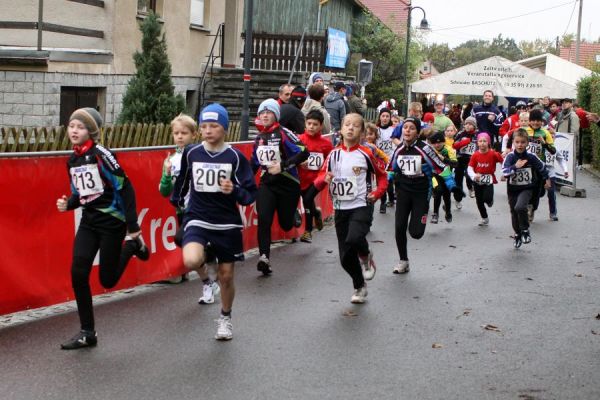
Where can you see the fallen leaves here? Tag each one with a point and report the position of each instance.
(490, 327)
(377, 241)
(349, 313)
(595, 332)
(452, 246)
(579, 275)
(437, 346)
(598, 316)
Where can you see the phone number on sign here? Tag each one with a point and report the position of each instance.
(522, 85)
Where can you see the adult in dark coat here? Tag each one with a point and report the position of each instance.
(292, 117)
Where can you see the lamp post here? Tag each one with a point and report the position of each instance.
(423, 25)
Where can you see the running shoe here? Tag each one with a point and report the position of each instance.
(318, 219)
(448, 217)
(382, 208)
(368, 266)
(526, 236)
(391, 203)
(530, 213)
(402, 267)
(224, 328)
(484, 222)
(434, 218)
(297, 219)
(472, 193)
(82, 339)
(518, 242)
(458, 205)
(264, 265)
(306, 237)
(208, 293)
(360, 295)
(142, 251)
(553, 217)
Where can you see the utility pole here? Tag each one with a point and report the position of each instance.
(245, 123)
(578, 32)
(558, 46)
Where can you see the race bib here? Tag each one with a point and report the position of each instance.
(386, 146)
(534, 148)
(522, 177)
(343, 188)
(550, 159)
(314, 161)
(409, 165)
(268, 155)
(486, 179)
(86, 179)
(208, 175)
(469, 149)
(175, 164)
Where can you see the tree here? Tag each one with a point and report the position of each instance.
(150, 97)
(375, 42)
(441, 56)
(536, 47)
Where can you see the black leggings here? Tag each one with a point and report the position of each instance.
(114, 256)
(389, 193)
(351, 228)
(416, 206)
(310, 209)
(439, 193)
(518, 202)
(282, 197)
(460, 172)
(484, 194)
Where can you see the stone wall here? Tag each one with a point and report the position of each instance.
(32, 99)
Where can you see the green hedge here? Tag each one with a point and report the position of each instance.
(588, 96)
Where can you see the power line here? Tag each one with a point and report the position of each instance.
(571, 17)
(505, 19)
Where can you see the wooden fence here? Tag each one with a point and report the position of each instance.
(19, 140)
(276, 52)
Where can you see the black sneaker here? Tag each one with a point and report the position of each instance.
(518, 241)
(382, 208)
(142, 251)
(434, 218)
(297, 219)
(264, 265)
(318, 219)
(81, 340)
(526, 236)
(448, 217)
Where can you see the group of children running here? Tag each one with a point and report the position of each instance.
(206, 182)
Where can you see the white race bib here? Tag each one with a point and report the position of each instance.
(386, 146)
(268, 155)
(314, 161)
(86, 179)
(409, 165)
(550, 159)
(208, 175)
(343, 188)
(469, 149)
(534, 148)
(522, 177)
(486, 179)
(175, 164)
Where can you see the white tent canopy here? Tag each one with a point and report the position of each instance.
(506, 78)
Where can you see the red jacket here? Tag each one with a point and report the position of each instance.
(485, 163)
(319, 149)
(509, 124)
(584, 123)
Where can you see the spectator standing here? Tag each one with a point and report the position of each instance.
(488, 116)
(334, 104)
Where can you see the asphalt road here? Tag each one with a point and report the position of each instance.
(296, 335)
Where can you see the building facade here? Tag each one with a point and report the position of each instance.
(83, 54)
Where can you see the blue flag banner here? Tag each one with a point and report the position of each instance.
(337, 49)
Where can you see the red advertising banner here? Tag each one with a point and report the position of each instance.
(36, 241)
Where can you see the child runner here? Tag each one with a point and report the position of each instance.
(414, 163)
(369, 139)
(217, 178)
(448, 155)
(465, 144)
(184, 130)
(319, 149)
(277, 152)
(482, 171)
(384, 125)
(350, 171)
(507, 138)
(100, 186)
(551, 159)
(449, 134)
(395, 120)
(523, 170)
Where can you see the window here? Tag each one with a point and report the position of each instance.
(146, 6)
(197, 12)
(72, 98)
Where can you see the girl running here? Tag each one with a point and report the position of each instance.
(465, 144)
(100, 186)
(384, 125)
(482, 171)
(216, 177)
(414, 163)
(523, 170)
(350, 171)
(277, 152)
(440, 191)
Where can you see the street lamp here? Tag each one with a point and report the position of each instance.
(423, 25)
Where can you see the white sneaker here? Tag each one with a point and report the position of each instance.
(472, 193)
(264, 265)
(458, 205)
(224, 328)
(208, 294)
(368, 266)
(484, 222)
(402, 267)
(360, 295)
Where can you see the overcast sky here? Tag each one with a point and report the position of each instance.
(547, 19)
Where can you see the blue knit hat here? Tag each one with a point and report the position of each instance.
(270, 105)
(215, 113)
(315, 77)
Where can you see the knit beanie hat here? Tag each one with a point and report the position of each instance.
(270, 105)
(472, 121)
(428, 117)
(484, 135)
(415, 121)
(215, 113)
(92, 120)
(338, 85)
(299, 94)
(315, 77)
(385, 109)
(437, 137)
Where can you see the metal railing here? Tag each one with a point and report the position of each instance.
(210, 64)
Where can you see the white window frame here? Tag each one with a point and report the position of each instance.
(197, 13)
